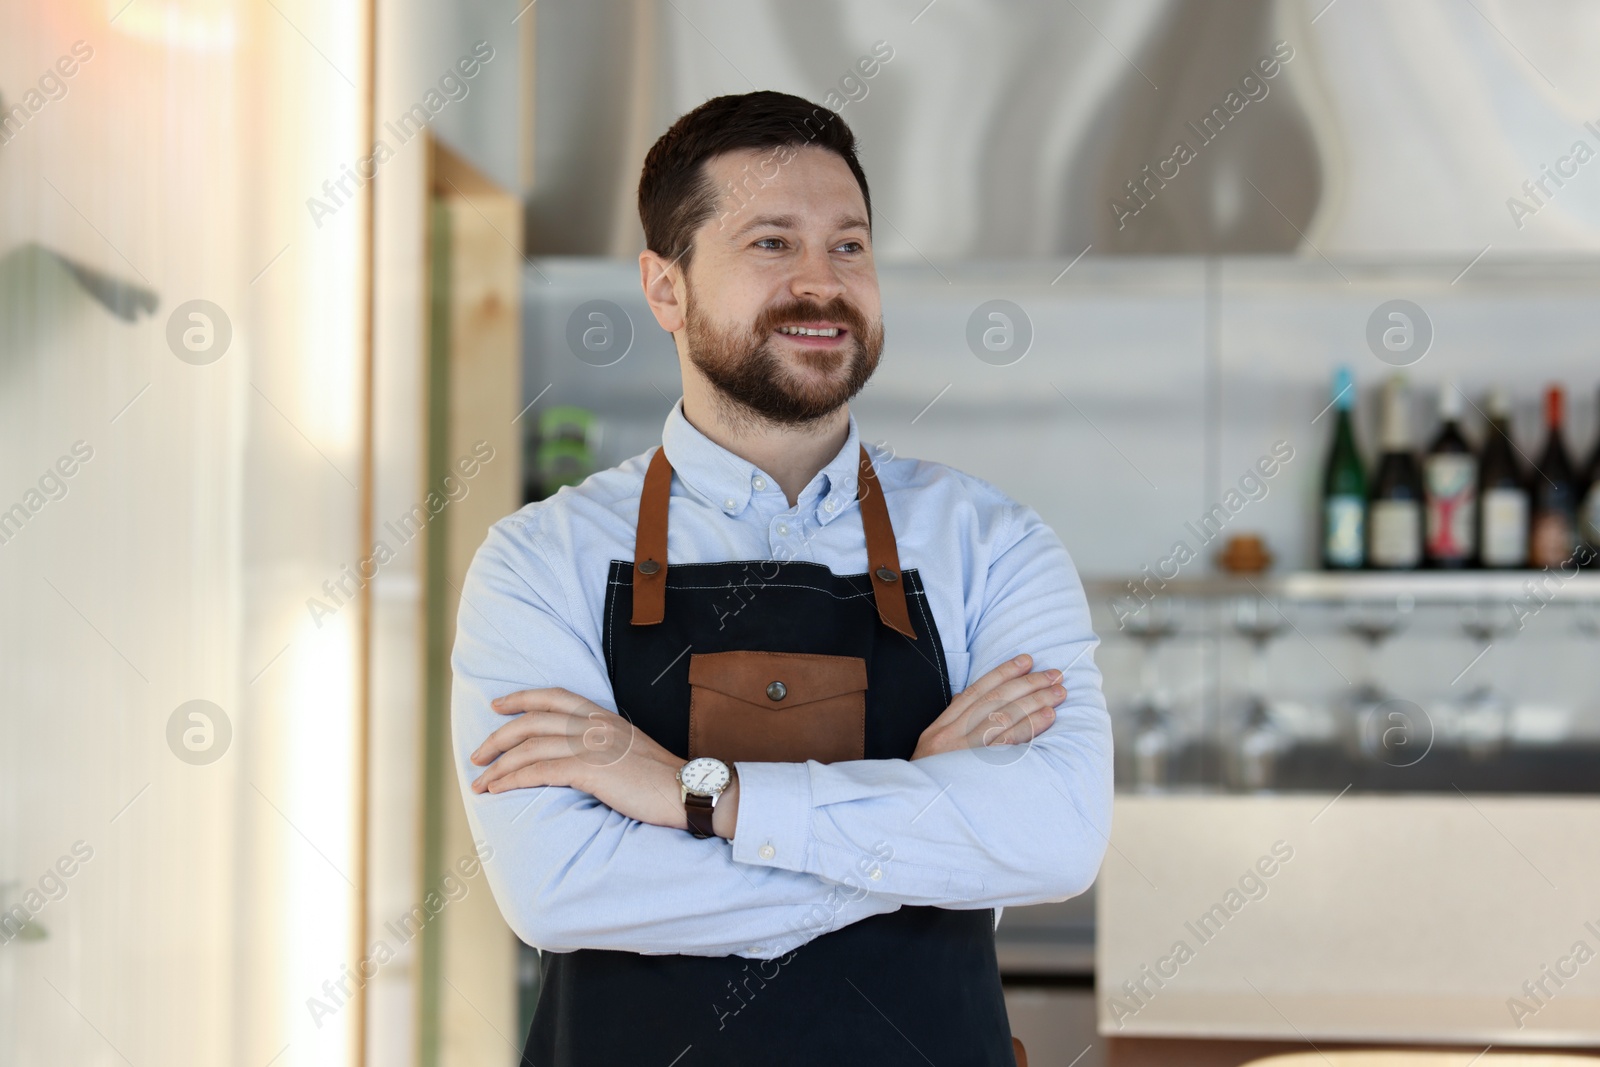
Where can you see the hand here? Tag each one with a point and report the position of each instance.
(561, 738)
(1004, 707)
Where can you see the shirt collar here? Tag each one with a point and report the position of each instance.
(727, 480)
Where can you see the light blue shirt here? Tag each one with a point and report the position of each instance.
(818, 846)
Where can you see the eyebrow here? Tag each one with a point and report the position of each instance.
(790, 222)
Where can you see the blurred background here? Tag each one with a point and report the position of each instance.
(1283, 313)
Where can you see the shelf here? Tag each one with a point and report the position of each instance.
(1422, 587)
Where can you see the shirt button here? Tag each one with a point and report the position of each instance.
(877, 874)
(730, 503)
(829, 504)
(759, 482)
(758, 949)
(766, 852)
(783, 529)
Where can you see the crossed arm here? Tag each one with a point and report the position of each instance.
(1006, 802)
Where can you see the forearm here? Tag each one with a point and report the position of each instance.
(996, 826)
(570, 873)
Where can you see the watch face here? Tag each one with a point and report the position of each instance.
(705, 776)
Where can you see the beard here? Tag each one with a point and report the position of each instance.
(751, 377)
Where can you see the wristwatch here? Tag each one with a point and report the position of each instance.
(702, 781)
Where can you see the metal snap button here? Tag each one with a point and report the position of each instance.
(777, 690)
(649, 566)
(887, 575)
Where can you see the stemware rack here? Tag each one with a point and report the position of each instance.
(1420, 722)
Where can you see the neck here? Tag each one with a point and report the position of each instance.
(791, 454)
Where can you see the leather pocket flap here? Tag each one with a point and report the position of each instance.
(778, 679)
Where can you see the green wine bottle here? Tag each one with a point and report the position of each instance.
(1344, 486)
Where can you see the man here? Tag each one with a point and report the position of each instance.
(751, 811)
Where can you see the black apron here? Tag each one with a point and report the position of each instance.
(917, 985)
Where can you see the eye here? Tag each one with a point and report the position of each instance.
(852, 246)
(769, 243)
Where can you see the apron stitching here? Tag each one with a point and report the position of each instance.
(920, 594)
(927, 627)
(611, 629)
(936, 661)
(610, 623)
(774, 585)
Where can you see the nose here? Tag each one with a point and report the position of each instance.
(815, 277)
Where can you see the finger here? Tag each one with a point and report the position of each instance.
(523, 700)
(531, 724)
(1017, 688)
(543, 773)
(549, 698)
(1007, 693)
(1021, 719)
(532, 751)
(1029, 727)
(598, 739)
(1011, 668)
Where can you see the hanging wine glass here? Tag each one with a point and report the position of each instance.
(1374, 622)
(1262, 740)
(1151, 730)
(1483, 715)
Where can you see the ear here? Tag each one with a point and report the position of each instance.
(659, 277)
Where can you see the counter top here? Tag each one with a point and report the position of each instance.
(1450, 919)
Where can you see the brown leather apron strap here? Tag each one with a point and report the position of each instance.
(883, 558)
(650, 547)
(650, 543)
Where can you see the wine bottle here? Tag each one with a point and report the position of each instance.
(1589, 515)
(1344, 486)
(1394, 511)
(1553, 531)
(1502, 493)
(1450, 489)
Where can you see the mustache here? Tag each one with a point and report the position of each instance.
(798, 311)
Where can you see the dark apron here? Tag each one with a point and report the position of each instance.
(917, 985)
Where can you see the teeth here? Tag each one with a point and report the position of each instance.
(801, 331)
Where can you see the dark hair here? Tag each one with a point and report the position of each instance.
(676, 197)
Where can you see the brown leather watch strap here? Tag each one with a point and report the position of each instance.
(698, 809)
(650, 543)
(883, 558)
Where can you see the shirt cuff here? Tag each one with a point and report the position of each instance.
(774, 828)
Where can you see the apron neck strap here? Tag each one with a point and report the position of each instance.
(650, 547)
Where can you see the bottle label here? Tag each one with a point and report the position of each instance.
(1396, 533)
(1450, 483)
(1505, 528)
(1344, 533)
(1551, 543)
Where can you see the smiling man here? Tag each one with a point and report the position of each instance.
(711, 706)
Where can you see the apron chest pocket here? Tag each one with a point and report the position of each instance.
(777, 707)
